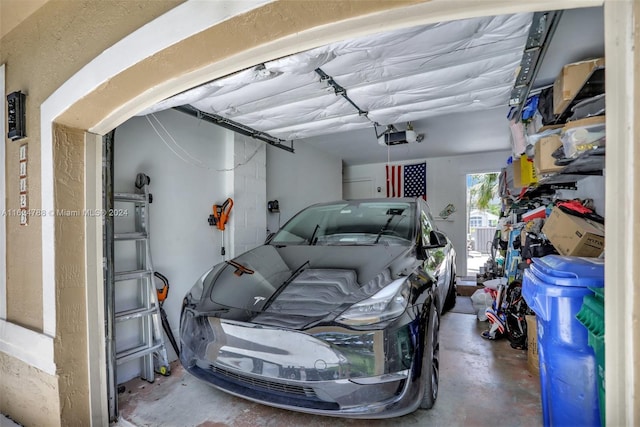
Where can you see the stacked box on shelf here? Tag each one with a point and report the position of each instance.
(543, 160)
(570, 81)
(574, 236)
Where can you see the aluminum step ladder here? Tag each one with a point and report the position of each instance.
(152, 348)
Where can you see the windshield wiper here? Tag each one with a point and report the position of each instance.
(384, 228)
(313, 236)
(284, 285)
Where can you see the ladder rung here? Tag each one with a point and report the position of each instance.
(134, 314)
(130, 275)
(129, 197)
(130, 236)
(136, 352)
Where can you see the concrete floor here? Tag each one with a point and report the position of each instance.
(475, 260)
(482, 383)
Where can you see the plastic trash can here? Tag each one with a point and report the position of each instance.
(554, 287)
(591, 315)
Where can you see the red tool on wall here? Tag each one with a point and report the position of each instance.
(220, 217)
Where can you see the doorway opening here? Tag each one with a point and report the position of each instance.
(483, 211)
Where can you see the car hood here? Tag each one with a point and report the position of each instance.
(295, 286)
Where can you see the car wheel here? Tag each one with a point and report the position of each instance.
(431, 360)
(450, 300)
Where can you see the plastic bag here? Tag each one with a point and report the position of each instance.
(481, 300)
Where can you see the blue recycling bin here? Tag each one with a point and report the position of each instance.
(554, 287)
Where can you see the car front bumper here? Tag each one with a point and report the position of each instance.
(325, 370)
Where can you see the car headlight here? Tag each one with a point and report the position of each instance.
(388, 303)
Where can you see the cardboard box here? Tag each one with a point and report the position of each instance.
(533, 362)
(516, 170)
(570, 81)
(574, 236)
(543, 160)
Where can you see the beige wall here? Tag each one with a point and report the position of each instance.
(13, 12)
(70, 346)
(27, 394)
(42, 53)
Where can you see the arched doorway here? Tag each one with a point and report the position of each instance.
(250, 37)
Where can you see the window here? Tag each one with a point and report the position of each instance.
(350, 223)
(475, 221)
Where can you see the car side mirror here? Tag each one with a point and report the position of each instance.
(436, 240)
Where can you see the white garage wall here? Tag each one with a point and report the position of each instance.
(446, 183)
(209, 165)
(300, 179)
(183, 244)
(249, 214)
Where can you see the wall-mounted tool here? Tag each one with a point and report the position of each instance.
(273, 206)
(220, 217)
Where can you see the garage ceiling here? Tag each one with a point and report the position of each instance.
(451, 80)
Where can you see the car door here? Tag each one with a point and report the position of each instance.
(435, 258)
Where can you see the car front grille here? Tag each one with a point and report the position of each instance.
(273, 386)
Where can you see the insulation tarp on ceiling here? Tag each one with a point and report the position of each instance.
(396, 77)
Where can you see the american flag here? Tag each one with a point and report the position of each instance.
(407, 180)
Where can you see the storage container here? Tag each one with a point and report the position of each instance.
(583, 135)
(554, 287)
(591, 315)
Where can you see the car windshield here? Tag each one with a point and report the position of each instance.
(351, 223)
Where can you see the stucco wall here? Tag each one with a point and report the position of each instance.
(28, 394)
(70, 348)
(62, 36)
(40, 54)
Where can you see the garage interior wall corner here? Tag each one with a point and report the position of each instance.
(300, 179)
(249, 193)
